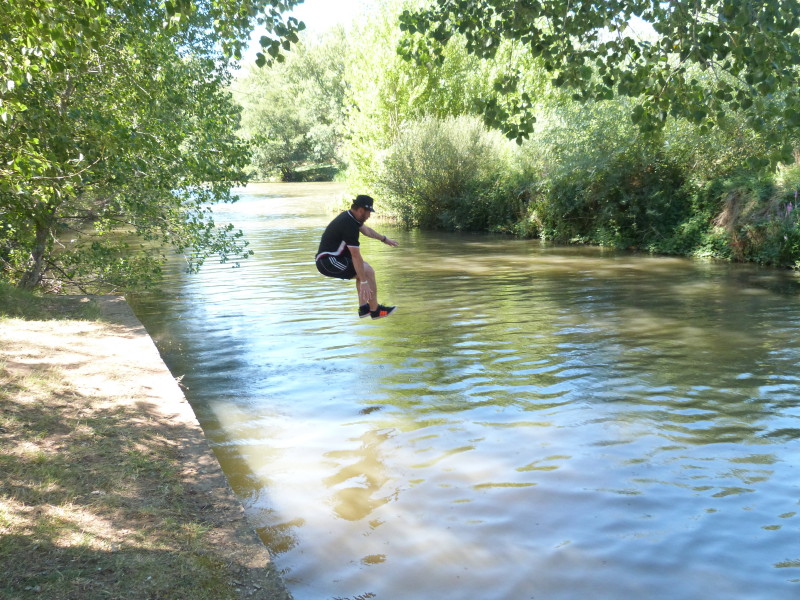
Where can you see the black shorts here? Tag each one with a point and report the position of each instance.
(336, 266)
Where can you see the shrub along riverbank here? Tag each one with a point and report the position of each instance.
(594, 180)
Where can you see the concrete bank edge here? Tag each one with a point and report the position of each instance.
(201, 467)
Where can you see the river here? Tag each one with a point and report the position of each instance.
(534, 421)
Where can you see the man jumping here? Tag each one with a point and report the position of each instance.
(339, 255)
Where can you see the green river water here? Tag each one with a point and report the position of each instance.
(534, 421)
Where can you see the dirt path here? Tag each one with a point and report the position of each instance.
(130, 473)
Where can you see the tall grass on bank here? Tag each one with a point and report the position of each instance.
(755, 219)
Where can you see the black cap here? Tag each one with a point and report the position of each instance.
(364, 201)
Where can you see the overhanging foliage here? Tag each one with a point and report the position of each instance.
(749, 50)
(115, 118)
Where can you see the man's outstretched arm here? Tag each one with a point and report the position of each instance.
(371, 233)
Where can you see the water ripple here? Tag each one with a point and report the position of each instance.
(534, 421)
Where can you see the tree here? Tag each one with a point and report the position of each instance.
(294, 113)
(706, 58)
(114, 118)
(386, 94)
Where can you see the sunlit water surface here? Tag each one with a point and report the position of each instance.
(533, 422)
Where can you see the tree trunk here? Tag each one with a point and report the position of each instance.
(33, 276)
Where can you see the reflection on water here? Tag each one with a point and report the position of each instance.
(533, 422)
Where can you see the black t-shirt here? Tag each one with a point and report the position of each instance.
(341, 232)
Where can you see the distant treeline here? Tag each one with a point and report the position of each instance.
(347, 105)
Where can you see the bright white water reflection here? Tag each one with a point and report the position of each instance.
(533, 422)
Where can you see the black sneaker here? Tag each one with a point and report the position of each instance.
(363, 311)
(382, 311)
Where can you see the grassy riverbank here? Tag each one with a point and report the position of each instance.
(103, 496)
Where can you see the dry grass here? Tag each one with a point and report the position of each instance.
(101, 496)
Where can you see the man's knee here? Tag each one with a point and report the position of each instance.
(368, 269)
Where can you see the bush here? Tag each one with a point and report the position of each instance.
(451, 174)
(634, 199)
(755, 218)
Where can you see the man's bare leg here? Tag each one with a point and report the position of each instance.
(373, 286)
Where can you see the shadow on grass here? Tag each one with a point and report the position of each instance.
(66, 573)
(20, 304)
(105, 499)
